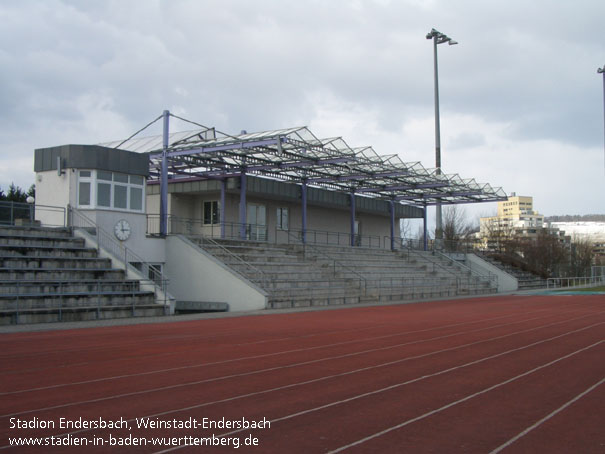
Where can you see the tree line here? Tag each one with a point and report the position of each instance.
(16, 194)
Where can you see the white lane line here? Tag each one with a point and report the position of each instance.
(54, 366)
(459, 401)
(285, 352)
(359, 396)
(547, 417)
(243, 374)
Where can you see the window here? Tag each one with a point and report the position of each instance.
(84, 193)
(103, 194)
(103, 189)
(211, 212)
(84, 186)
(282, 219)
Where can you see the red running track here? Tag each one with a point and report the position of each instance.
(486, 375)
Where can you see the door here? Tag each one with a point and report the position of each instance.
(257, 222)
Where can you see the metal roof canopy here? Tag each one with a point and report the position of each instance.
(297, 155)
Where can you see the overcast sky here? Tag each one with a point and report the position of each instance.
(521, 101)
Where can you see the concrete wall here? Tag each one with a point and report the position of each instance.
(197, 276)
(53, 190)
(117, 262)
(506, 282)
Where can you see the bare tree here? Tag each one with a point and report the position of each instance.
(582, 256)
(456, 227)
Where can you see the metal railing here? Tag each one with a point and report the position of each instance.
(337, 264)
(489, 278)
(29, 214)
(328, 238)
(192, 227)
(574, 282)
(127, 257)
(263, 280)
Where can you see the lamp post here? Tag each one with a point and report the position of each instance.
(602, 71)
(438, 38)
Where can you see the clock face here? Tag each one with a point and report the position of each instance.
(122, 230)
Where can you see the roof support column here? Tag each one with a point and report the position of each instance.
(425, 239)
(304, 211)
(392, 210)
(242, 205)
(352, 196)
(164, 177)
(222, 208)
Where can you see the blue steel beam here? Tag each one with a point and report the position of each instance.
(352, 197)
(242, 205)
(164, 177)
(304, 211)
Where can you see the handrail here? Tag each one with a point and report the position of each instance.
(27, 211)
(336, 262)
(212, 241)
(490, 276)
(425, 257)
(105, 241)
(591, 281)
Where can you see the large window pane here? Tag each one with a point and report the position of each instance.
(136, 199)
(84, 194)
(120, 178)
(103, 175)
(104, 195)
(136, 179)
(119, 196)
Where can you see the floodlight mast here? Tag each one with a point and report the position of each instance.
(602, 71)
(438, 38)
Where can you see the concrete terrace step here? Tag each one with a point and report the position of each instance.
(46, 251)
(74, 299)
(45, 274)
(322, 275)
(23, 287)
(35, 232)
(79, 313)
(48, 275)
(51, 262)
(6, 241)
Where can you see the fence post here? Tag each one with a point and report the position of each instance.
(17, 314)
(98, 299)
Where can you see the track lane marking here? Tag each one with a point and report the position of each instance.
(292, 385)
(332, 404)
(243, 374)
(459, 401)
(547, 417)
(284, 352)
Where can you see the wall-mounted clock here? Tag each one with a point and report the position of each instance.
(122, 230)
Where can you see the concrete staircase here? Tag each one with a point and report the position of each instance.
(526, 280)
(296, 276)
(47, 275)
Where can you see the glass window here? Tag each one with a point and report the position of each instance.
(100, 188)
(104, 195)
(136, 199)
(211, 213)
(136, 179)
(104, 175)
(282, 218)
(119, 196)
(120, 178)
(84, 193)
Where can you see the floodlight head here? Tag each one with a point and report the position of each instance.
(601, 70)
(452, 42)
